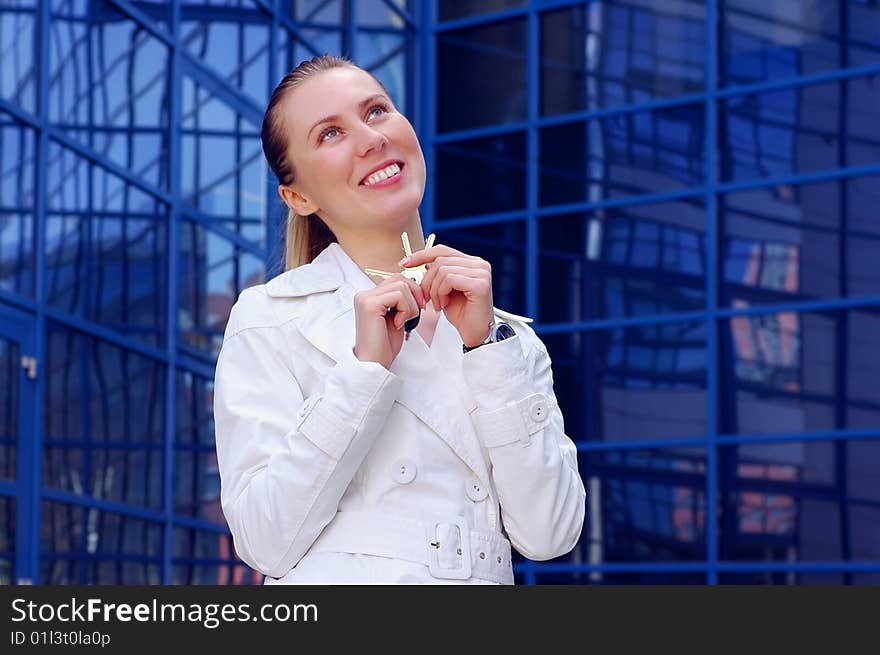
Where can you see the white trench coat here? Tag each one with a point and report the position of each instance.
(337, 471)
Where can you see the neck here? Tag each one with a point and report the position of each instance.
(382, 249)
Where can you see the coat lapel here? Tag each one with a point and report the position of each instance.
(318, 299)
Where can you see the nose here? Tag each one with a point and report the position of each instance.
(371, 139)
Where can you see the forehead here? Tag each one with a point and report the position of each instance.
(335, 91)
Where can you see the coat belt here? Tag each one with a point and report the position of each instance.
(434, 543)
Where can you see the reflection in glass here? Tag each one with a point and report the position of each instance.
(208, 558)
(105, 248)
(233, 40)
(18, 74)
(503, 246)
(481, 176)
(805, 242)
(764, 41)
(638, 260)
(453, 9)
(622, 155)
(108, 86)
(483, 69)
(619, 384)
(212, 274)
(606, 54)
(10, 367)
(377, 13)
(196, 476)
(7, 540)
(642, 506)
(223, 170)
(17, 159)
(800, 501)
(91, 546)
(103, 425)
(800, 129)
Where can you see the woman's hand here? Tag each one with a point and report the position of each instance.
(379, 335)
(461, 286)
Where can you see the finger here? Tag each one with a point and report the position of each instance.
(438, 263)
(442, 278)
(475, 288)
(430, 254)
(407, 307)
(412, 286)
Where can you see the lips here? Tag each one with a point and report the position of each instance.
(380, 167)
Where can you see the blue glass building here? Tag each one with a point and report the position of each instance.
(683, 193)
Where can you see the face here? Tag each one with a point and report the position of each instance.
(363, 169)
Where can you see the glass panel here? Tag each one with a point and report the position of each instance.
(10, 374)
(232, 38)
(392, 74)
(377, 13)
(618, 384)
(607, 54)
(291, 52)
(196, 476)
(385, 57)
(208, 558)
(790, 243)
(90, 546)
(103, 433)
(800, 501)
(17, 157)
(642, 506)
(636, 578)
(767, 40)
(212, 274)
(481, 76)
(627, 261)
(223, 169)
(783, 371)
(18, 35)
(863, 362)
(108, 86)
(452, 9)
(621, 156)
(106, 248)
(800, 130)
(481, 176)
(503, 245)
(315, 11)
(7, 540)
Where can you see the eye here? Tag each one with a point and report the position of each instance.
(328, 133)
(377, 109)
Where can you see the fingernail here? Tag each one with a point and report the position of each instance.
(403, 262)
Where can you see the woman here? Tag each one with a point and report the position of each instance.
(350, 454)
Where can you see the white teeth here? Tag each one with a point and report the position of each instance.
(384, 174)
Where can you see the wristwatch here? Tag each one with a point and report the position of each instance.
(497, 332)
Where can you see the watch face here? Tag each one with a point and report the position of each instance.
(503, 331)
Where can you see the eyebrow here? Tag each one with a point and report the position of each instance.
(361, 105)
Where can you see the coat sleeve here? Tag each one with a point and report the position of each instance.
(286, 460)
(534, 463)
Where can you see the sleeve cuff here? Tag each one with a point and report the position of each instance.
(330, 420)
(497, 373)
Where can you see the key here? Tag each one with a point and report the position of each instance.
(414, 273)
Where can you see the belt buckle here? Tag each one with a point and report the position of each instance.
(464, 571)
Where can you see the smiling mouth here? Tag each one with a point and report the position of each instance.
(391, 170)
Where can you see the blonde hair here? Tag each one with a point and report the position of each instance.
(305, 236)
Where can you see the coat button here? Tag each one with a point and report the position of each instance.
(538, 411)
(475, 490)
(404, 471)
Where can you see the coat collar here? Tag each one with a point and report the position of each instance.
(318, 297)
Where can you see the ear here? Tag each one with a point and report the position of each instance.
(296, 201)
